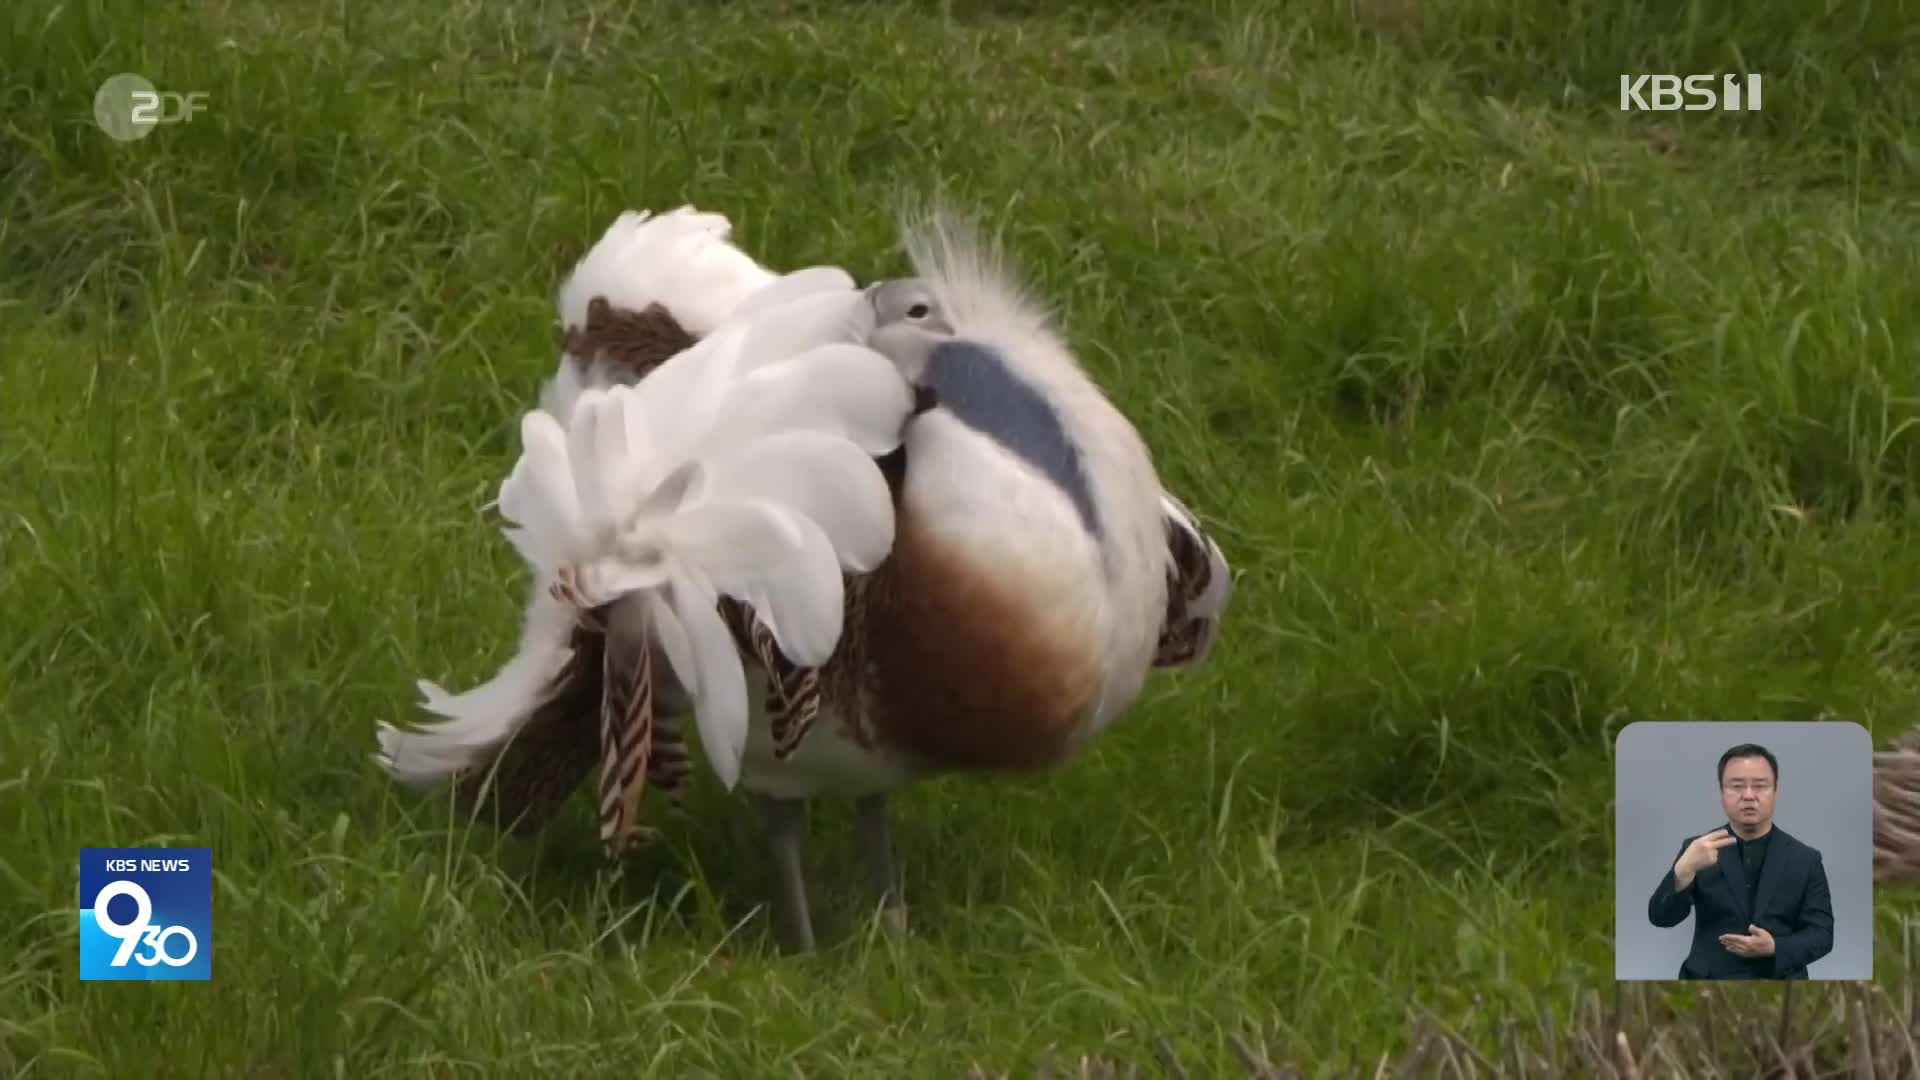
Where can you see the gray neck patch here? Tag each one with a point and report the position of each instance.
(973, 383)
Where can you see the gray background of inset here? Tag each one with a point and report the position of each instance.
(1665, 791)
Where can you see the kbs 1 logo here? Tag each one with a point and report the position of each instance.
(146, 913)
(1694, 93)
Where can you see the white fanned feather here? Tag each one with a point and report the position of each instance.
(743, 466)
(683, 260)
(686, 262)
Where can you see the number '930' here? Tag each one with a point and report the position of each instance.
(140, 930)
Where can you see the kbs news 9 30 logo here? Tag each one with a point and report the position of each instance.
(146, 913)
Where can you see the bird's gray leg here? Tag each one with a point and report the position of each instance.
(786, 824)
(876, 850)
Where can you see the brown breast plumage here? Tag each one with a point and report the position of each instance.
(958, 672)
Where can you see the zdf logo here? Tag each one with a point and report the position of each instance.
(127, 107)
(1664, 93)
(140, 930)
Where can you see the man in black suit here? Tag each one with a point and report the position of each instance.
(1760, 898)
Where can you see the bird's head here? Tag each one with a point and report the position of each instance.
(908, 323)
(961, 300)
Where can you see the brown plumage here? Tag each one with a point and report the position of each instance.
(958, 676)
(630, 342)
(525, 782)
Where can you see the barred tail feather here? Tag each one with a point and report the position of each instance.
(1199, 584)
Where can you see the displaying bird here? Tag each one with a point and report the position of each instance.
(742, 469)
(1037, 570)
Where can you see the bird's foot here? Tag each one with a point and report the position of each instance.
(876, 850)
(633, 839)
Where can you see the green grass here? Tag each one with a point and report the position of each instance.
(1520, 418)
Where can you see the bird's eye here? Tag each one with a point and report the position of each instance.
(919, 311)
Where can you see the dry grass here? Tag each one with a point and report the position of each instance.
(1792, 1031)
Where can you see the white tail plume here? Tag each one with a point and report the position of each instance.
(481, 717)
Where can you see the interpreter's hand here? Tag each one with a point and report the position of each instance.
(1699, 855)
(1755, 942)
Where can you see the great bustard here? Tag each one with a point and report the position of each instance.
(1037, 570)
